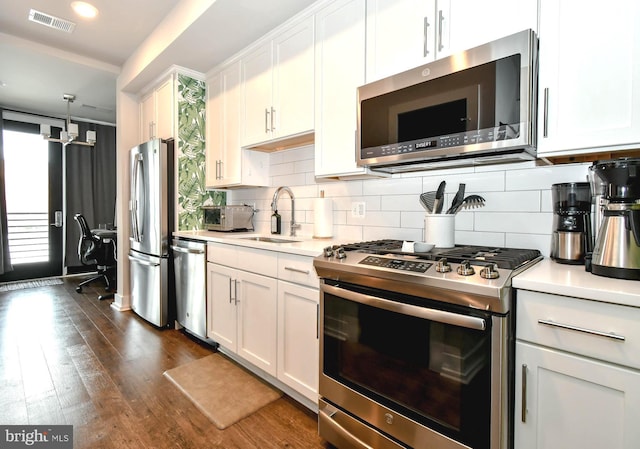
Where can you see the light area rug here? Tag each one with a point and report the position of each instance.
(222, 390)
(9, 286)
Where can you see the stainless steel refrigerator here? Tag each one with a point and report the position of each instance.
(151, 206)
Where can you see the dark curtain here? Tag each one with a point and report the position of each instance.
(91, 184)
(5, 257)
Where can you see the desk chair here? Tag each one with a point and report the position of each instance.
(98, 251)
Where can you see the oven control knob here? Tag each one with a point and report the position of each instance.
(328, 251)
(490, 272)
(442, 266)
(340, 254)
(465, 269)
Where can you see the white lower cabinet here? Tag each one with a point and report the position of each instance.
(577, 374)
(567, 401)
(242, 309)
(263, 307)
(298, 357)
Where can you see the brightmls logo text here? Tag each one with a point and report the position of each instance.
(41, 437)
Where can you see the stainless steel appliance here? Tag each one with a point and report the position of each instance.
(228, 218)
(190, 268)
(474, 107)
(572, 237)
(617, 250)
(152, 215)
(417, 348)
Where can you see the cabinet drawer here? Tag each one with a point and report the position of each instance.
(603, 331)
(222, 254)
(257, 261)
(297, 269)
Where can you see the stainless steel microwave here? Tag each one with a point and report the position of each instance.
(228, 218)
(473, 107)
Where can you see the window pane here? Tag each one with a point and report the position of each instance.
(26, 160)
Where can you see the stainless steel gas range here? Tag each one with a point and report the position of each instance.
(417, 348)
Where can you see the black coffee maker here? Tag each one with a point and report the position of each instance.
(617, 249)
(572, 237)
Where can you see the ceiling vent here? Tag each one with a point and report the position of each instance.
(51, 21)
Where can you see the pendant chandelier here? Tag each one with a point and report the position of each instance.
(70, 134)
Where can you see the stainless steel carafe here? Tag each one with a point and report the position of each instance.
(617, 249)
(571, 240)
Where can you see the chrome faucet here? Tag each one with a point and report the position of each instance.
(274, 207)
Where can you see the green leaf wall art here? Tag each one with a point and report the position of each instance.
(191, 155)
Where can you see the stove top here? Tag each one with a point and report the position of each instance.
(507, 258)
(478, 276)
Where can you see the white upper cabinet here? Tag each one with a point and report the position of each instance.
(157, 111)
(589, 82)
(277, 79)
(474, 23)
(340, 57)
(227, 165)
(402, 34)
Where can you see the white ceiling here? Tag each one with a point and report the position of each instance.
(39, 64)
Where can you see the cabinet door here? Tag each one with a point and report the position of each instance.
(147, 117)
(257, 320)
(574, 402)
(400, 35)
(589, 80)
(223, 128)
(340, 65)
(298, 356)
(215, 129)
(293, 81)
(221, 306)
(257, 84)
(474, 23)
(165, 104)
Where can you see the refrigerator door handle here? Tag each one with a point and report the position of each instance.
(143, 261)
(135, 229)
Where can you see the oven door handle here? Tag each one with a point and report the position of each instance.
(440, 316)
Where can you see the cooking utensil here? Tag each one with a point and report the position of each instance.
(427, 199)
(469, 202)
(457, 199)
(439, 201)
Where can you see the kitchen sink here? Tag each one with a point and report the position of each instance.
(270, 239)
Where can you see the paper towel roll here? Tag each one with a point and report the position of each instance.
(322, 218)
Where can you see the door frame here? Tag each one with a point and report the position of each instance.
(54, 267)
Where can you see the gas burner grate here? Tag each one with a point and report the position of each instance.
(507, 258)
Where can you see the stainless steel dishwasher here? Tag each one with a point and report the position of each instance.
(190, 268)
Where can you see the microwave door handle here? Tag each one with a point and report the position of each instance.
(439, 316)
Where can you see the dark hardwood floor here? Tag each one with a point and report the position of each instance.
(67, 358)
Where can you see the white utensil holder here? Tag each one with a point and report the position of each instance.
(439, 229)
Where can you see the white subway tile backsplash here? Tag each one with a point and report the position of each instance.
(518, 210)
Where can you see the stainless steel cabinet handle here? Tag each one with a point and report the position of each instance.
(296, 270)
(230, 295)
(523, 411)
(570, 327)
(266, 120)
(440, 20)
(425, 40)
(317, 321)
(235, 288)
(545, 120)
(273, 119)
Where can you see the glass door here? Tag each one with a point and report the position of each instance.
(33, 183)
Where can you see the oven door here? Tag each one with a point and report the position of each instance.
(417, 370)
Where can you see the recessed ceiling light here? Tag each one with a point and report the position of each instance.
(84, 9)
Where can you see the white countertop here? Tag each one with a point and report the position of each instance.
(304, 245)
(572, 280)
